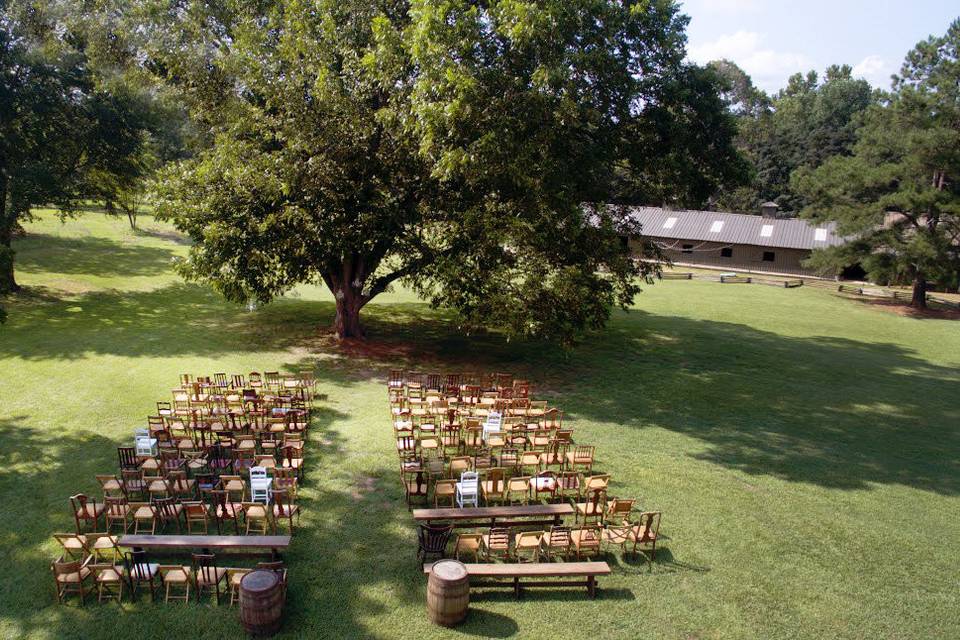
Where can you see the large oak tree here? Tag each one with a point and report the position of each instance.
(446, 143)
(62, 125)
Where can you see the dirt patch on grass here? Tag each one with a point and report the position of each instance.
(362, 485)
(372, 349)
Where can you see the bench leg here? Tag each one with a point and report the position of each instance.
(592, 586)
(516, 588)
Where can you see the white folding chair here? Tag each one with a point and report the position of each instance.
(493, 424)
(468, 489)
(143, 444)
(260, 485)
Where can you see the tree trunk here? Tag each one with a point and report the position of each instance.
(919, 300)
(7, 282)
(347, 321)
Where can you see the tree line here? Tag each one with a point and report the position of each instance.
(883, 163)
(478, 152)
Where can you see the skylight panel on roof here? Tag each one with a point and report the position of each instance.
(669, 224)
(766, 231)
(717, 226)
(820, 235)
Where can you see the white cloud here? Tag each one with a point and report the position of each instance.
(768, 67)
(875, 70)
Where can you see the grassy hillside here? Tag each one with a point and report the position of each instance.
(803, 448)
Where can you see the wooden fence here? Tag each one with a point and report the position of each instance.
(729, 278)
(875, 292)
(790, 283)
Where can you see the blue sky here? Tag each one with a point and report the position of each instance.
(771, 40)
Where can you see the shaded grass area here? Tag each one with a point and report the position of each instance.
(803, 449)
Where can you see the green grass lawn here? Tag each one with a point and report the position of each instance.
(803, 448)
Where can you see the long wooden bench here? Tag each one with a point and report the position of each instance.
(735, 279)
(179, 543)
(527, 575)
(506, 516)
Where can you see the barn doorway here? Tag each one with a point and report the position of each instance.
(853, 272)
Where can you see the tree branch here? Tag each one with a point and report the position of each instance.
(380, 284)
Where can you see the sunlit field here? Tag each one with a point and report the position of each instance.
(804, 450)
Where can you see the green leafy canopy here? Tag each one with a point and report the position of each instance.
(899, 192)
(448, 144)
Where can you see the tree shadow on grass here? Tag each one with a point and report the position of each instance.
(168, 235)
(833, 412)
(177, 320)
(90, 255)
(485, 624)
(39, 471)
(829, 411)
(640, 564)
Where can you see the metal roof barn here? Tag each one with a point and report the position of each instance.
(734, 228)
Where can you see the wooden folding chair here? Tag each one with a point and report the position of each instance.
(493, 486)
(526, 546)
(646, 531)
(71, 576)
(468, 544)
(207, 576)
(496, 543)
(197, 515)
(86, 511)
(283, 508)
(109, 580)
(140, 571)
(176, 581)
(257, 518)
(556, 542)
(586, 540)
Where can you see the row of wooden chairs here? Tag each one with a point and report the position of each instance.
(221, 507)
(268, 380)
(108, 579)
(247, 418)
(561, 542)
(497, 489)
(435, 402)
(632, 536)
(542, 446)
(400, 378)
(182, 473)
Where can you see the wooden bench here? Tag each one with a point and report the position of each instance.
(674, 275)
(520, 576)
(248, 545)
(735, 279)
(508, 516)
(790, 283)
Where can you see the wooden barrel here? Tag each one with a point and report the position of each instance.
(261, 603)
(448, 593)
